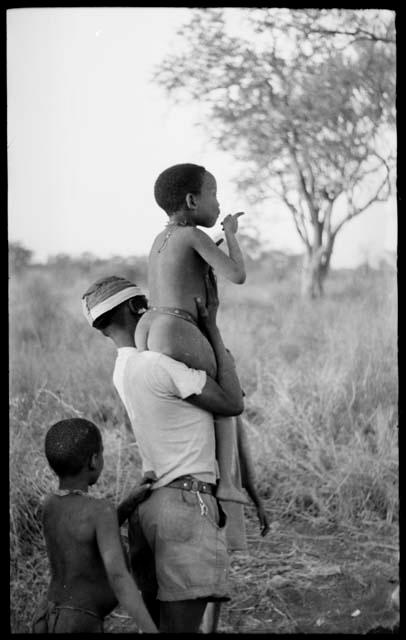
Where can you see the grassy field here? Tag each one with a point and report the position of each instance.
(321, 402)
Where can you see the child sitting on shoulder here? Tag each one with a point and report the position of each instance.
(180, 258)
(89, 576)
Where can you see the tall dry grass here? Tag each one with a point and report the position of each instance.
(321, 402)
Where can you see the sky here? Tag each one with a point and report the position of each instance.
(89, 132)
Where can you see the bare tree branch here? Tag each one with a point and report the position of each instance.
(357, 35)
(357, 211)
(301, 181)
(327, 217)
(297, 216)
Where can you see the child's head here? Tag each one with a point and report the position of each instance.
(112, 300)
(190, 189)
(74, 445)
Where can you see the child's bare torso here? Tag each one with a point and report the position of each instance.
(176, 278)
(78, 576)
(176, 271)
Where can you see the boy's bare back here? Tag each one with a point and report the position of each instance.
(73, 526)
(176, 279)
(175, 270)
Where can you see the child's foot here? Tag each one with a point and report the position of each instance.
(229, 493)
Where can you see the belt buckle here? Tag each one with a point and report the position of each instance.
(195, 485)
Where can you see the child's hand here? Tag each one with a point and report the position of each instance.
(149, 477)
(142, 491)
(230, 222)
(263, 520)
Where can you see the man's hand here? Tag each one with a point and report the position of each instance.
(230, 222)
(208, 313)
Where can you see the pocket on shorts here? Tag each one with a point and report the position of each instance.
(180, 515)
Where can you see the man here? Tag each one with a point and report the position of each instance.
(177, 536)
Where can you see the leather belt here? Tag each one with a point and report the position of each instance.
(188, 483)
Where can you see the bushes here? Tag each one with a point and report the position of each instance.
(322, 401)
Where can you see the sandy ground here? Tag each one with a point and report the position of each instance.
(308, 576)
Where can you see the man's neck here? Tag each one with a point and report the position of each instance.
(123, 338)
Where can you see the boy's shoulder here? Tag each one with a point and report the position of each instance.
(94, 506)
(186, 231)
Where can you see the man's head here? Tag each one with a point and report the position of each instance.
(190, 189)
(75, 445)
(113, 301)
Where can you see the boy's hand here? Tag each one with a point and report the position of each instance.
(142, 491)
(263, 520)
(230, 222)
(208, 313)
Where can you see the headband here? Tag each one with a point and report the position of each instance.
(91, 314)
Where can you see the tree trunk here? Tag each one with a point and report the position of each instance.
(315, 269)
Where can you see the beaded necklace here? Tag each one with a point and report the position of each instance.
(67, 492)
(172, 226)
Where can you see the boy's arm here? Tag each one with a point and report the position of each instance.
(230, 266)
(223, 396)
(109, 543)
(137, 495)
(248, 475)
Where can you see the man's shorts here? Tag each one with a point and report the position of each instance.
(176, 552)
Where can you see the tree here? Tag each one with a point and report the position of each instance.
(19, 257)
(305, 99)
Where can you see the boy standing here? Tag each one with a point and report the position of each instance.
(88, 569)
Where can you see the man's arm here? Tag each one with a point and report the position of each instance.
(123, 585)
(223, 396)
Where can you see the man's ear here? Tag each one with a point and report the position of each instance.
(191, 201)
(135, 308)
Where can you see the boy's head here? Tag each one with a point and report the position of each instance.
(190, 189)
(74, 445)
(113, 300)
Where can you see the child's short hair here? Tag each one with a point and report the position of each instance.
(173, 184)
(70, 443)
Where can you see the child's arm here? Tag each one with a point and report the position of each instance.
(230, 266)
(109, 543)
(248, 475)
(137, 495)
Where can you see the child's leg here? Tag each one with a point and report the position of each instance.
(211, 618)
(226, 450)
